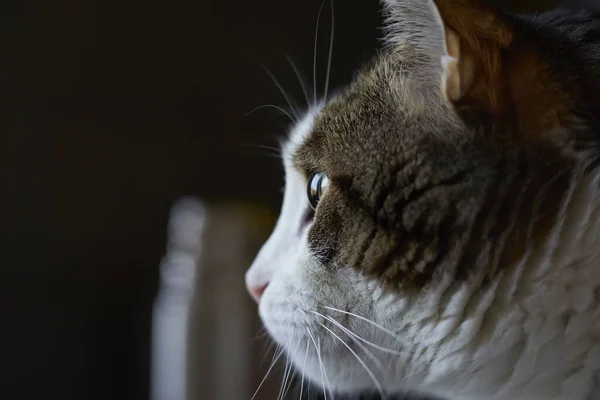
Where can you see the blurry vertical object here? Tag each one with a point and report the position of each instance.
(179, 276)
(204, 321)
(223, 362)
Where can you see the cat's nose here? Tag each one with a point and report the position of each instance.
(256, 283)
(257, 291)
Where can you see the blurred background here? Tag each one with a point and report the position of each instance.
(112, 112)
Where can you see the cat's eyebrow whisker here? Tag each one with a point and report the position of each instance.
(301, 80)
(375, 324)
(315, 54)
(269, 151)
(327, 75)
(287, 114)
(276, 156)
(349, 332)
(371, 356)
(262, 146)
(276, 357)
(362, 363)
(291, 103)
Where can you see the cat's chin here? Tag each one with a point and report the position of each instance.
(334, 372)
(319, 359)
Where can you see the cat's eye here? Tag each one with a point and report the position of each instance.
(317, 183)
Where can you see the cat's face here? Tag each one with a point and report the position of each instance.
(432, 182)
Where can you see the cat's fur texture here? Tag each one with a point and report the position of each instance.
(462, 218)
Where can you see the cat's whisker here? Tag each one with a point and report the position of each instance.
(283, 380)
(304, 369)
(291, 103)
(325, 372)
(375, 324)
(262, 146)
(330, 51)
(283, 385)
(301, 80)
(315, 53)
(271, 106)
(269, 155)
(321, 366)
(290, 376)
(360, 360)
(349, 332)
(269, 151)
(269, 346)
(276, 357)
(371, 356)
(262, 332)
(285, 375)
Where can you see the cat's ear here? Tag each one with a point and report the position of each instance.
(467, 36)
(488, 71)
(476, 37)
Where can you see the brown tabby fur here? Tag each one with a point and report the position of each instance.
(420, 185)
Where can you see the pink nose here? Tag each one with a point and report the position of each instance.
(257, 291)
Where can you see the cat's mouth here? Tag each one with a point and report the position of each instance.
(320, 331)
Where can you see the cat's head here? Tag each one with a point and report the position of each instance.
(433, 175)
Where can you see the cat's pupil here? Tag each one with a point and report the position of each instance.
(317, 182)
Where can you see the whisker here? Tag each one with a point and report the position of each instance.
(348, 331)
(289, 374)
(268, 372)
(285, 375)
(315, 53)
(383, 329)
(270, 151)
(304, 369)
(301, 80)
(371, 356)
(362, 363)
(286, 371)
(292, 378)
(262, 146)
(291, 103)
(330, 50)
(268, 155)
(325, 371)
(262, 332)
(269, 346)
(271, 106)
(320, 361)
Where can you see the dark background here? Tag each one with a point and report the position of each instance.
(111, 111)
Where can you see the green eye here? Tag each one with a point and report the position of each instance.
(317, 183)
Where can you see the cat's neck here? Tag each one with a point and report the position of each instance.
(528, 334)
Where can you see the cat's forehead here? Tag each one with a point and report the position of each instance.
(379, 114)
(298, 135)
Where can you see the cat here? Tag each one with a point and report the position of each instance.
(439, 233)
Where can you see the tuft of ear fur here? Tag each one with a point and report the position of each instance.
(414, 35)
(473, 51)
